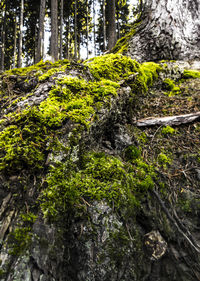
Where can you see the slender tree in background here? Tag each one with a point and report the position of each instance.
(40, 41)
(94, 27)
(87, 29)
(61, 29)
(3, 33)
(111, 31)
(104, 25)
(54, 30)
(15, 43)
(19, 57)
(75, 29)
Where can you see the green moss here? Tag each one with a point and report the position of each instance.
(22, 144)
(19, 240)
(191, 74)
(101, 177)
(168, 130)
(164, 160)
(132, 153)
(117, 67)
(112, 66)
(171, 87)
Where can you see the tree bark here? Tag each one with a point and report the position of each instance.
(169, 120)
(75, 30)
(54, 30)
(15, 43)
(111, 32)
(3, 33)
(39, 53)
(19, 58)
(61, 30)
(167, 29)
(104, 25)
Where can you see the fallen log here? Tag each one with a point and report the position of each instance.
(168, 120)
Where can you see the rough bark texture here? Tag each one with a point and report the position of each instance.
(54, 30)
(111, 32)
(168, 29)
(40, 43)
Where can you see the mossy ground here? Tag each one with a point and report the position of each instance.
(45, 140)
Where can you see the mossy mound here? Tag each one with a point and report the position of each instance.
(79, 178)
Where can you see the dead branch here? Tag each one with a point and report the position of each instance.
(169, 120)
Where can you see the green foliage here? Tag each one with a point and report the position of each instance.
(171, 87)
(22, 145)
(117, 67)
(168, 130)
(191, 74)
(164, 160)
(132, 153)
(101, 177)
(19, 240)
(112, 66)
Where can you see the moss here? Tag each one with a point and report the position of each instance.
(191, 74)
(164, 160)
(168, 130)
(117, 67)
(171, 87)
(19, 240)
(112, 66)
(101, 177)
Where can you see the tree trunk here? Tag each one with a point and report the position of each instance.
(19, 58)
(87, 29)
(94, 28)
(54, 30)
(111, 32)
(168, 29)
(15, 43)
(75, 30)
(3, 37)
(61, 30)
(39, 53)
(104, 25)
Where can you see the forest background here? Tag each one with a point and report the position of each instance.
(58, 29)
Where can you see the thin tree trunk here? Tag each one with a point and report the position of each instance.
(19, 58)
(67, 41)
(87, 29)
(111, 33)
(54, 30)
(75, 30)
(40, 44)
(3, 37)
(104, 26)
(15, 43)
(167, 29)
(61, 30)
(94, 28)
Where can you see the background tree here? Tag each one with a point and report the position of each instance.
(19, 57)
(54, 30)
(40, 41)
(167, 30)
(111, 31)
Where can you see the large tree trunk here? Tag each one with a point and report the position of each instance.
(39, 54)
(54, 30)
(169, 29)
